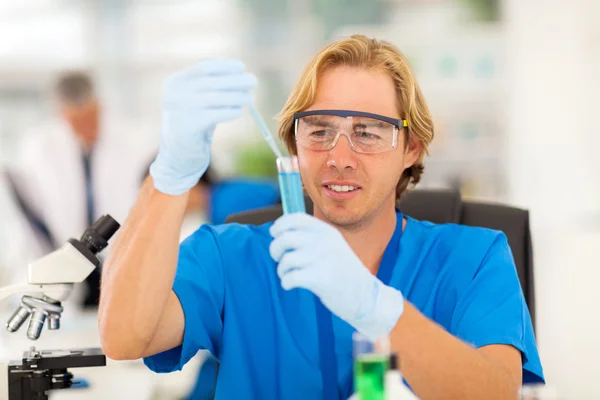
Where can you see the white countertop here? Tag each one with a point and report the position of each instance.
(117, 380)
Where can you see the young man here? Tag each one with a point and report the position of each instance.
(278, 304)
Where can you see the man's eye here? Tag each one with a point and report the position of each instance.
(366, 135)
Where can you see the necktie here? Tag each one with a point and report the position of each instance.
(92, 282)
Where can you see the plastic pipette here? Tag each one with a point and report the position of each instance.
(265, 131)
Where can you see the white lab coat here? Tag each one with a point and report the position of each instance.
(49, 173)
(16, 247)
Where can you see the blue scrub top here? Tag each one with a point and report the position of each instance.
(463, 278)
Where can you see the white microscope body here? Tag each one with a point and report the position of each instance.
(51, 280)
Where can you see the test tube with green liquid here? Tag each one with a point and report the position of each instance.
(371, 363)
(290, 185)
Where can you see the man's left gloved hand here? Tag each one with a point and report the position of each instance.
(315, 256)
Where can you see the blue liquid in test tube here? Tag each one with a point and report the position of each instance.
(290, 185)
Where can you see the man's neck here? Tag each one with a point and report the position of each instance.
(370, 240)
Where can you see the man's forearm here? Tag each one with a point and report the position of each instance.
(138, 275)
(438, 365)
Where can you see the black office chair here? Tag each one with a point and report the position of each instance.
(445, 206)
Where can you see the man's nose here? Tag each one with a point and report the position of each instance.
(341, 156)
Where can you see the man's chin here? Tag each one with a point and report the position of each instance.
(342, 216)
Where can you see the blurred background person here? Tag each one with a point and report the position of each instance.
(71, 170)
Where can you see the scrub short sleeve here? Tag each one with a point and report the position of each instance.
(199, 285)
(492, 309)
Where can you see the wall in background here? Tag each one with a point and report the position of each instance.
(553, 170)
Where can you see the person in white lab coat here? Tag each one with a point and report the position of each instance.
(72, 170)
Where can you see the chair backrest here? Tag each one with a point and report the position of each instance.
(446, 206)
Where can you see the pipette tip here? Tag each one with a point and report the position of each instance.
(265, 131)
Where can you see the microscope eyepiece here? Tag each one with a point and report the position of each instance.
(96, 237)
(106, 226)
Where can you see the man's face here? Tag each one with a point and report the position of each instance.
(374, 175)
(83, 119)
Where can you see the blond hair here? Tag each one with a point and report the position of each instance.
(362, 52)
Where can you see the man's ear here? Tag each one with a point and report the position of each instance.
(411, 153)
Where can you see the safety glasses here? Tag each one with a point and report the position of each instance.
(366, 132)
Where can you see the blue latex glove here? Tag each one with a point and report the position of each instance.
(315, 256)
(195, 101)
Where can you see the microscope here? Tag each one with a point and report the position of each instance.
(51, 280)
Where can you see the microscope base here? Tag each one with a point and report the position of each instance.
(41, 371)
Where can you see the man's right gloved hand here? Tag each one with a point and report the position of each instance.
(195, 101)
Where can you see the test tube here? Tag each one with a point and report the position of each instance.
(290, 185)
(371, 363)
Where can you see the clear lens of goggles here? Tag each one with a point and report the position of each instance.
(365, 135)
